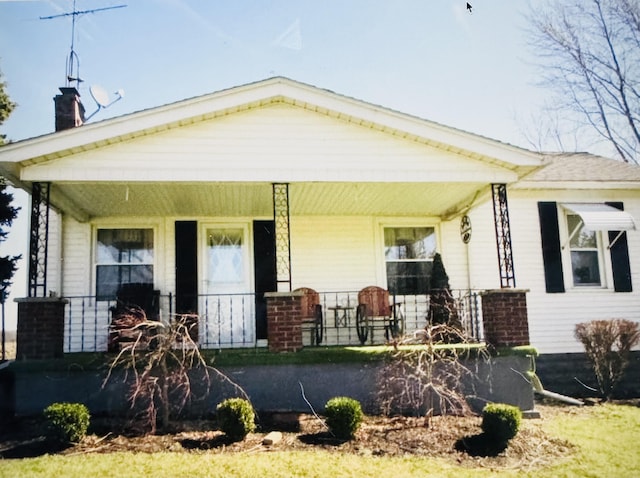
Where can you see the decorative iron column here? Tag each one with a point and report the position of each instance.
(503, 235)
(39, 239)
(282, 236)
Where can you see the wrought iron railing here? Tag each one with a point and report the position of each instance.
(228, 320)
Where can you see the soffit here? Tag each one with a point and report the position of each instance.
(91, 200)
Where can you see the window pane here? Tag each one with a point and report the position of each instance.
(402, 243)
(583, 237)
(408, 278)
(226, 263)
(585, 267)
(125, 246)
(109, 279)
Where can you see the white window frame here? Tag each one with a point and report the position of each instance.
(604, 260)
(157, 245)
(401, 223)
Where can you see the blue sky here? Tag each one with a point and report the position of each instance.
(429, 58)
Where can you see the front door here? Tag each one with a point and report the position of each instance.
(228, 300)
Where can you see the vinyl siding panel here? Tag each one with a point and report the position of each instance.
(54, 266)
(77, 259)
(281, 142)
(483, 255)
(334, 253)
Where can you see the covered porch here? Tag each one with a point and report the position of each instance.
(238, 318)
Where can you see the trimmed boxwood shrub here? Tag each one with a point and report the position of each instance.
(236, 418)
(344, 416)
(501, 422)
(67, 422)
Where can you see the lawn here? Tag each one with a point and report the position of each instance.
(604, 438)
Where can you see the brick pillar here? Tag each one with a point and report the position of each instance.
(284, 321)
(40, 333)
(504, 313)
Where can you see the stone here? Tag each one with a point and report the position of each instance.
(272, 438)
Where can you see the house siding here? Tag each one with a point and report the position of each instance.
(280, 142)
(77, 258)
(553, 316)
(334, 253)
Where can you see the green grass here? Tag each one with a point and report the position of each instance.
(605, 437)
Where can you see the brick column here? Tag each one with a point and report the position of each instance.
(504, 313)
(40, 333)
(284, 321)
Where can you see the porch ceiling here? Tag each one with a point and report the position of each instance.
(85, 201)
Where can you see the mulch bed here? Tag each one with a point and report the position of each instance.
(457, 439)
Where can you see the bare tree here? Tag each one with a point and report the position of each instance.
(590, 54)
(160, 362)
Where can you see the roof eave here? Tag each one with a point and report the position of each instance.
(579, 185)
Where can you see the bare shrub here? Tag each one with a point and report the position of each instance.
(160, 362)
(608, 344)
(429, 378)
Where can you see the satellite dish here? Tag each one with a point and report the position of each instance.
(100, 95)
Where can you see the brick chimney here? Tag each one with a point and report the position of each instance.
(69, 109)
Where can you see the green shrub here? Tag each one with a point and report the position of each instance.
(501, 422)
(67, 422)
(236, 418)
(344, 416)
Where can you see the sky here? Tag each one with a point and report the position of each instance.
(434, 59)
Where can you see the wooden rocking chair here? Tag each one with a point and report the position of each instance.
(312, 314)
(375, 311)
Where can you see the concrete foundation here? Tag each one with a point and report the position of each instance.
(269, 387)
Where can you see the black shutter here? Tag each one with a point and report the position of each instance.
(551, 247)
(264, 256)
(620, 257)
(186, 238)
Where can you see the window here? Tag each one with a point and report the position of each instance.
(584, 249)
(589, 228)
(408, 253)
(226, 256)
(123, 256)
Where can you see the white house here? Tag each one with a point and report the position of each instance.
(215, 200)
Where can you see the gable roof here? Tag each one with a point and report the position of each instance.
(276, 90)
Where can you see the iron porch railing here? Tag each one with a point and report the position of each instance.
(228, 320)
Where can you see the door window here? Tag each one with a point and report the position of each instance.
(226, 257)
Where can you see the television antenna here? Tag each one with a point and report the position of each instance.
(73, 62)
